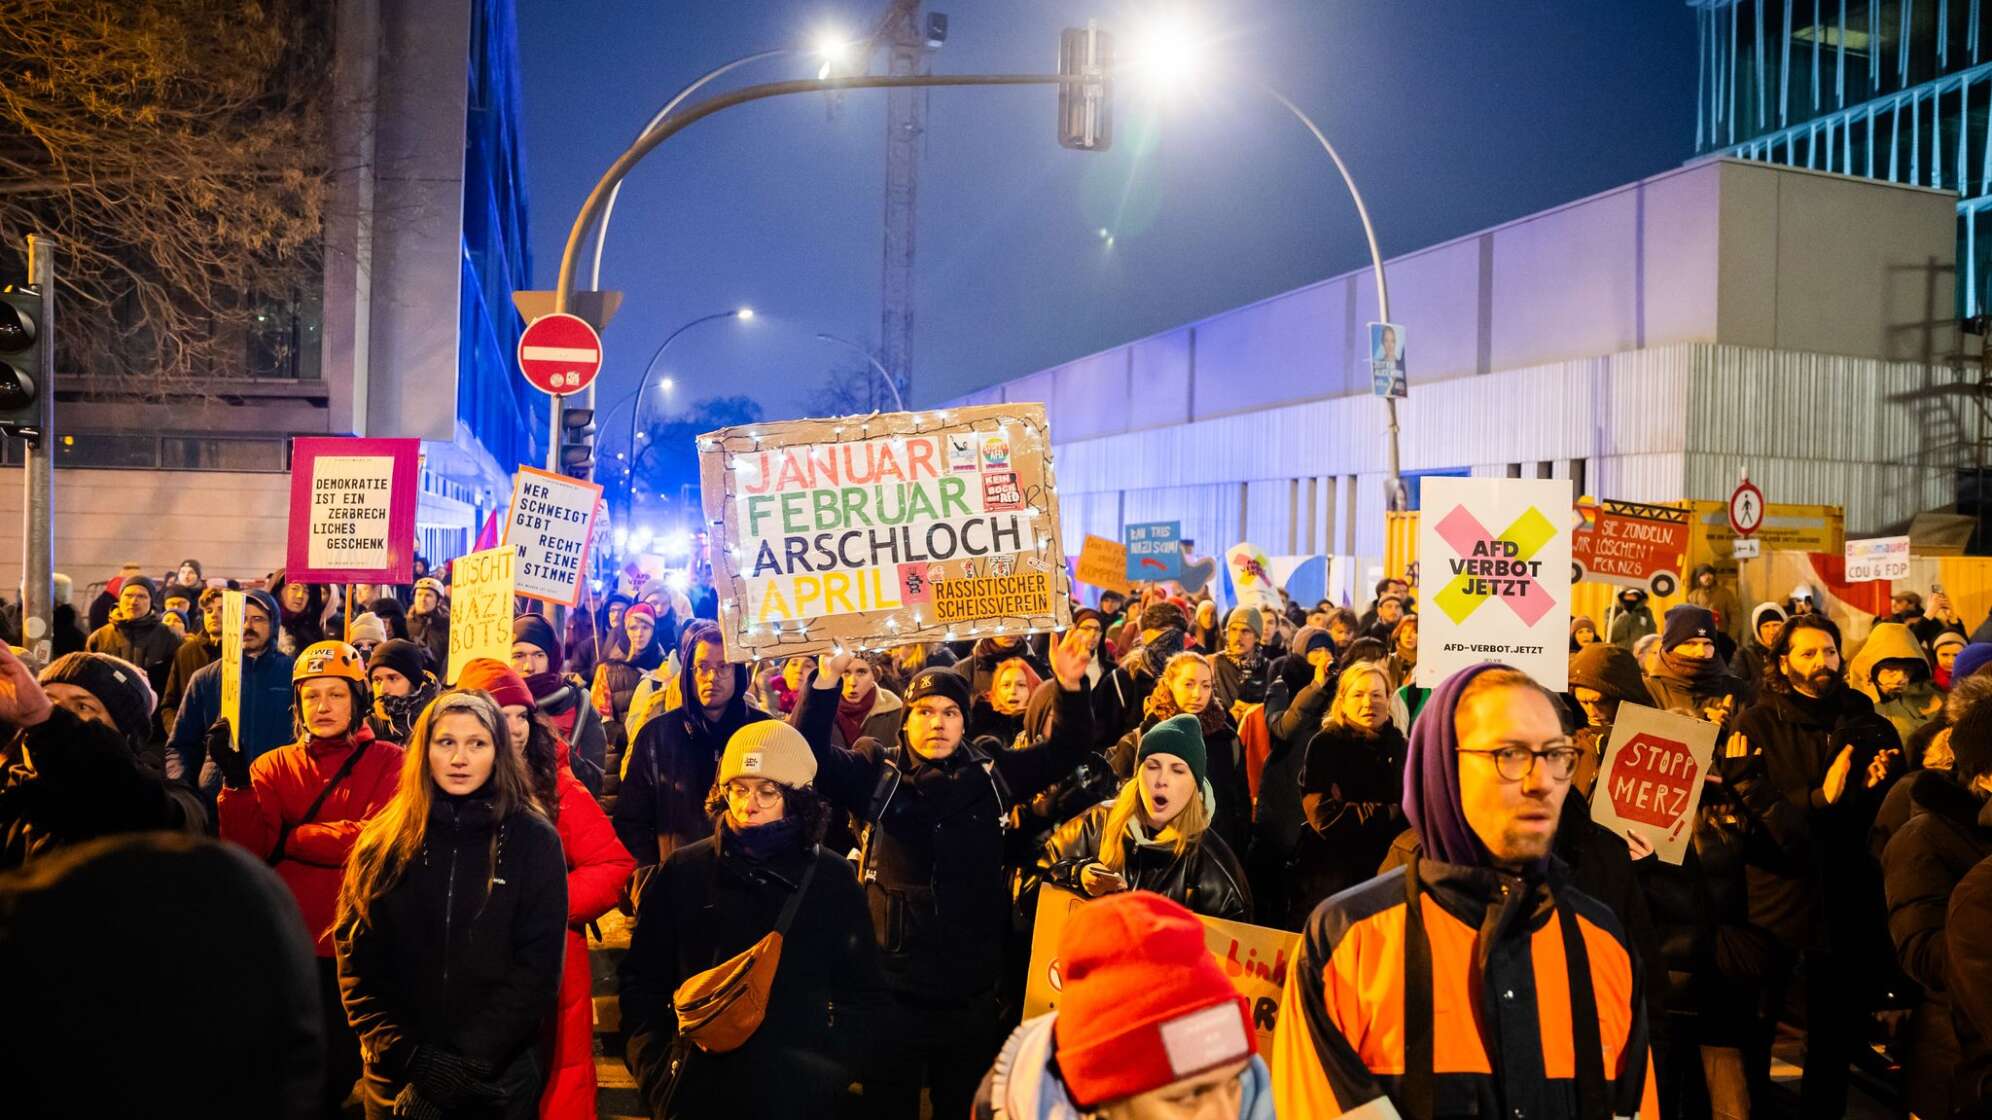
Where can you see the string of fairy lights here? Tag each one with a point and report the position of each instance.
(726, 462)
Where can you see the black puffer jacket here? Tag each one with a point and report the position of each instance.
(1948, 832)
(1713, 962)
(935, 875)
(711, 901)
(84, 782)
(1969, 925)
(671, 769)
(145, 642)
(1352, 790)
(1797, 834)
(1207, 878)
(460, 953)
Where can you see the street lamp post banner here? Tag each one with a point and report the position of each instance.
(551, 525)
(872, 531)
(1494, 571)
(352, 510)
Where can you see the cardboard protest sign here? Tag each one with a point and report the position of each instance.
(481, 589)
(1494, 563)
(1103, 564)
(1650, 779)
(1252, 577)
(1877, 558)
(551, 525)
(1255, 959)
(1154, 551)
(871, 531)
(1630, 544)
(352, 510)
(231, 663)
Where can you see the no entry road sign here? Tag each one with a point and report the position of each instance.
(560, 354)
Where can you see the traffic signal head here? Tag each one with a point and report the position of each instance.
(1085, 108)
(577, 442)
(21, 373)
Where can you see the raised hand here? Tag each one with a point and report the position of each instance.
(830, 667)
(1836, 776)
(22, 701)
(1068, 660)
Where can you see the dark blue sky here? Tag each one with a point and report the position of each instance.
(1454, 115)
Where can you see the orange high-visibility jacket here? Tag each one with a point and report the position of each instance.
(1483, 1020)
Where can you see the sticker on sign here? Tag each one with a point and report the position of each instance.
(1877, 558)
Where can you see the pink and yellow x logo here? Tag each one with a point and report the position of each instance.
(1463, 532)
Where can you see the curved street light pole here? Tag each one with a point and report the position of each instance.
(642, 383)
(1396, 497)
(667, 127)
(677, 99)
(898, 402)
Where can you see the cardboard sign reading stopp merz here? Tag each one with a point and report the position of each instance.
(1650, 780)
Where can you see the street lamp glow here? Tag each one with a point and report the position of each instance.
(744, 314)
(1170, 53)
(836, 51)
(667, 384)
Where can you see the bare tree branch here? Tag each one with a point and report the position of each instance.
(177, 152)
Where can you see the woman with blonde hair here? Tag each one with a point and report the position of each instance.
(1155, 836)
(1351, 786)
(451, 922)
(1186, 686)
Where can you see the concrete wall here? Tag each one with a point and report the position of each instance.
(1644, 425)
(1719, 251)
(233, 523)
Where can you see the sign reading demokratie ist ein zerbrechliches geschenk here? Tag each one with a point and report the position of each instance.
(871, 531)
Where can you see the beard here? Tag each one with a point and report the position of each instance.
(1819, 682)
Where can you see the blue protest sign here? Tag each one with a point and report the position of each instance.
(1154, 551)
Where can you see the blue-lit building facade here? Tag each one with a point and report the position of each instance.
(411, 335)
(1887, 89)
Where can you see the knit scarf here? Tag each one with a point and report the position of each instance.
(761, 841)
(851, 715)
(1213, 720)
(1699, 671)
(1156, 651)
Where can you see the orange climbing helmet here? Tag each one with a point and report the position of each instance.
(329, 659)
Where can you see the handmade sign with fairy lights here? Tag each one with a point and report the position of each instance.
(872, 531)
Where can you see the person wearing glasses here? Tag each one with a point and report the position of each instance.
(1475, 980)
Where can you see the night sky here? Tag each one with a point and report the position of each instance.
(1454, 115)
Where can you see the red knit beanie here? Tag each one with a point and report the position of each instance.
(498, 679)
(1144, 1004)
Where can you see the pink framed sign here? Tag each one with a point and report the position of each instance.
(352, 510)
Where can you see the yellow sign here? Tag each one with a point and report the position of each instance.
(1255, 959)
(481, 607)
(231, 663)
(1103, 564)
(1016, 598)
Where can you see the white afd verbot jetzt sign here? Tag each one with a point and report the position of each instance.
(1494, 574)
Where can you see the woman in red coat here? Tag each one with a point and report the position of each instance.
(597, 867)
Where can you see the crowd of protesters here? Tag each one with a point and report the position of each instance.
(831, 864)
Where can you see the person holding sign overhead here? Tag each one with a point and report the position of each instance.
(300, 808)
(932, 808)
(266, 700)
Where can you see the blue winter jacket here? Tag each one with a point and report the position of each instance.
(266, 714)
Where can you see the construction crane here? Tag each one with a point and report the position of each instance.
(909, 39)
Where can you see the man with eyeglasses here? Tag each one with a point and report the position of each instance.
(1475, 981)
